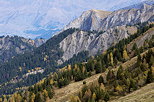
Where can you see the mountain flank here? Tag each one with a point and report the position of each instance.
(11, 46)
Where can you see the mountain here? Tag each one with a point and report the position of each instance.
(93, 42)
(42, 18)
(89, 20)
(10, 46)
(140, 5)
(106, 77)
(110, 27)
(100, 20)
(75, 43)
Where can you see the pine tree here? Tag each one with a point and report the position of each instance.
(119, 56)
(18, 98)
(93, 97)
(139, 60)
(115, 61)
(38, 98)
(74, 99)
(120, 73)
(144, 66)
(101, 79)
(125, 55)
(134, 46)
(132, 84)
(110, 76)
(151, 60)
(45, 94)
(150, 77)
(12, 99)
(111, 58)
(87, 95)
(32, 97)
(128, 84)
(106, 97)
(99, 93)
(90, 65)
(84, 89)
(98, 67)
(50, 92)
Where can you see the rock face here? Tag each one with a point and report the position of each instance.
(89, 20)
(103, 20)
(11, 46)
(93, 42)
(109, 28)
(128, 17)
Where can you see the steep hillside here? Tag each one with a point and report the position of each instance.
(141, 40)
(63, 94)
(11, 46)
(43, 57)
(93, 42)
(145, 94)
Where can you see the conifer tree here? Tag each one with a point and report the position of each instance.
(134, 46)
(98, 67)
(125, 55)
(120, 73)
(150, 77)
(139, 60)
(151, 60)
(111, 58)
(101, 79)
(32, 97)
(93, 97)
(38, 98)
(132, 84)
(119, 56)
(110, 76)
(50, 92)
(106, 97)
(87, 95)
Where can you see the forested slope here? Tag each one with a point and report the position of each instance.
(124, 72)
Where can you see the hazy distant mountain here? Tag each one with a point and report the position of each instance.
(11, 46)
(140, 5)
(42, 18)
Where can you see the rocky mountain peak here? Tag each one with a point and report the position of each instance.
(89, 20)
(110, 27)
(146, 6)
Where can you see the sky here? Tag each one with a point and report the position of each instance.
(34, 18)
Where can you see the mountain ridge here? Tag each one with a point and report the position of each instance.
(92, 18)
(11, 46)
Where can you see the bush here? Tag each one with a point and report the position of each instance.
(84, 82)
